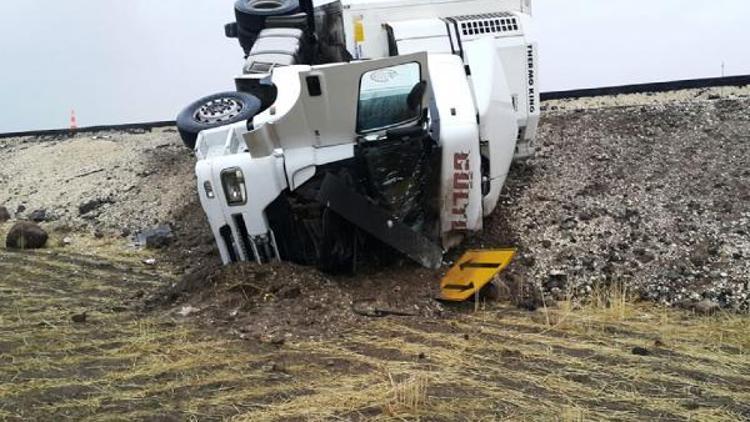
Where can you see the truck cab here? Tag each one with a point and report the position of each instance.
(375, 125)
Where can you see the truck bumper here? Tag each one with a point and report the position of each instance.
(241, 229)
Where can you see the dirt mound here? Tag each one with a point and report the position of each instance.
(280, 301)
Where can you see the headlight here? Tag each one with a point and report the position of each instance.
(233, 182)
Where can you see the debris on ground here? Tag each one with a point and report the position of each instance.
(285, 300)
(39, 216)
(4, 215)
(26, 235)
(156, 238)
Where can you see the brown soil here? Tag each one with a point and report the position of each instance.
(278, 302)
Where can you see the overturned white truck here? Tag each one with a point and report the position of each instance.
(363, 129)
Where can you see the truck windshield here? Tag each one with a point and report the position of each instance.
(383, 97)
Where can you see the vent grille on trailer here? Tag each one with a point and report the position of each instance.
(487, 23)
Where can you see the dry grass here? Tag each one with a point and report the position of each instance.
(409, 395)
(568, 361)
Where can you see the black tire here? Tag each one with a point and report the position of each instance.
(229, 107)
(251, 14)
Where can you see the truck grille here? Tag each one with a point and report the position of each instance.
(241, 246)
(487, 23)
(226, 236)
(246, 244)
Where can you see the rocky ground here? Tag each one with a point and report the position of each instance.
(648, 191)
(649, 198)
(113, 185)
(656, 197)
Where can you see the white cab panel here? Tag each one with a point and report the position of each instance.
(461, 195)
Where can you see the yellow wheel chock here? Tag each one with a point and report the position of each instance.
(473, 271)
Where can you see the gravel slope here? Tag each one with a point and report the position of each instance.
(111, 183)
(656, 197)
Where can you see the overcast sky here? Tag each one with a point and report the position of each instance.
(143, 60)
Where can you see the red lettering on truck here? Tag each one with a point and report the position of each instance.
(461, 189)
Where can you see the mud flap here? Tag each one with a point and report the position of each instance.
(472, 272)
(336, 195)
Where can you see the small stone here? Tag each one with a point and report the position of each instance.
(155, 238)
(706, 307)
(188, 310)
(557, 279)
(93, 204)
(4, 215)
(67, 241)
(641, 351)
(79, 318)
(26, 235)
(38, 215)
(289, 292)
(150, 261)
(568, 223)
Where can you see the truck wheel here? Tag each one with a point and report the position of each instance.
(214, 111)
(252, 14)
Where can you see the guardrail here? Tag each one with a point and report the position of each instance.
(92, 129)
(741, 80)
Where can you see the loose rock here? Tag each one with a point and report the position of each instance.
(26, 235)
(641, 351)
(93, 204)
(38, 215)
(79, 318)
(4, 215)
(156, 238)
(706, 307)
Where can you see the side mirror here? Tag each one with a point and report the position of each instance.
(416, 96)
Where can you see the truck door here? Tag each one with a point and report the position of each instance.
(340, 103)
(345, 101)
